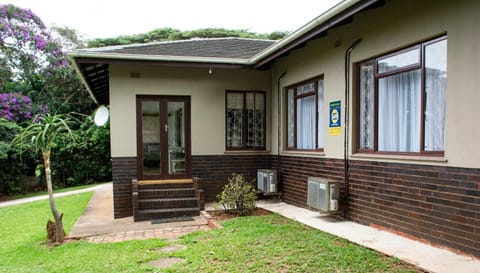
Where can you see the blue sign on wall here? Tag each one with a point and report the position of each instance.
(335, 118)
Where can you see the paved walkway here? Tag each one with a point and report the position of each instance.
(430, 258)
(44, 197)
(97, 223)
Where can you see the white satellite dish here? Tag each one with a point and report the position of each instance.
(101, 115)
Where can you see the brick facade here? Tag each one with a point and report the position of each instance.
(214, 170)
(438, 204)
(124, 169)
(296, 170)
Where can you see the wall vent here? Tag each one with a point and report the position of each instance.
(134, 74)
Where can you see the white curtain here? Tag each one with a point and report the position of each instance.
(399, 98)
(306, 123)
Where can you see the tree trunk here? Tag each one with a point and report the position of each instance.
(60, 234)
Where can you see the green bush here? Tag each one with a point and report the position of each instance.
(238, 196)
(13, 168)
(85, 160)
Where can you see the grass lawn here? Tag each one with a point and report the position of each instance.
(23, 248)
(276, 244)
(247, 244)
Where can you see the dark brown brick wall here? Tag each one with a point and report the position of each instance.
(296, 170)
(214, 170)
(124, 169)
(437, 204)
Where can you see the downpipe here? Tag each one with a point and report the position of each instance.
(279, 130)
(346, 138)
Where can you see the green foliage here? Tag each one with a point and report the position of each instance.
(33, 65)
(8, 130)
(42, 133)
(12, 167)
(238, 196)
(85, 160)
(170, 34)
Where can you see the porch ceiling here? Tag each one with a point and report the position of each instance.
(97, 78)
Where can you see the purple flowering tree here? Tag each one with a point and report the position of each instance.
(33, 62)
(26, 45)
(19, 108)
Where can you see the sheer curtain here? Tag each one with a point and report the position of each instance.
(321, 109)
(306, 123)
(435, 88)
(290, 118)
(399, 98)
(367, 96)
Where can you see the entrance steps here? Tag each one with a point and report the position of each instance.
(161, 199)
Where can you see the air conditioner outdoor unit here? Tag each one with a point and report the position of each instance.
(323, 194)
(267, 180)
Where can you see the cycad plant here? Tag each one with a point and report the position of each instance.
(41, 136)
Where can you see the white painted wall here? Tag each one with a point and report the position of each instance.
(207, 93)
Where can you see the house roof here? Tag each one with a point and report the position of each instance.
(231, 47)
(93, 64)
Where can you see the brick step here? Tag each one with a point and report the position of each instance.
(165, 184)
(148, 214)
(165, 193)
(166, 203)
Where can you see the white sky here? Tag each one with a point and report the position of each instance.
(110, 18)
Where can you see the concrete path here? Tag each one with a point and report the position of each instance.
(97, 223)
(44, 197)
(430, 258)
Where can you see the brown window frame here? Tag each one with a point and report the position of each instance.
(315, 81)
(244, 120)
(376, 76)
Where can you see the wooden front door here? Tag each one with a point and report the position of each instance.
(163, 137)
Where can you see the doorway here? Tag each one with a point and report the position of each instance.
(163, 137)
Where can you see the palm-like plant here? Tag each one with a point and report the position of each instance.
(41, 135)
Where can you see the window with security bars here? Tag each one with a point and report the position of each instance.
(245, 120)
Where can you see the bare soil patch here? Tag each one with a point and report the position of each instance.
(172, 248)
(221, 215)
(166, 262)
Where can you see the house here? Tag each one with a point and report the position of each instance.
(403, 145)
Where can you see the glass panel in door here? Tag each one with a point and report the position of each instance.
(176, 137)
(151, 137)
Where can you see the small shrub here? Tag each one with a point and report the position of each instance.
(238, 196)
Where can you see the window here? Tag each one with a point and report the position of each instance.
(245, 120)
(305, 107)
(402, 100)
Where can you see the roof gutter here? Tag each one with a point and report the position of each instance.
(327, 19)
